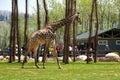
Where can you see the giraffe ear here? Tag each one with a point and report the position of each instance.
(76, 14)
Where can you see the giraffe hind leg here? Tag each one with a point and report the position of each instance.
(36, 59)
(25, 57)
(36, 62)
(56, 55)
(24, 61)
(58, 63)
(44, 58)
(44, 54)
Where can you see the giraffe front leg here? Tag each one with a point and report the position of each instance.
(56, 55)
(44, 54)
(44, 57)
(36, 63)
(36, 59)
(58, 63)
(25, 59)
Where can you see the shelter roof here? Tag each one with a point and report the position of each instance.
(101, 33)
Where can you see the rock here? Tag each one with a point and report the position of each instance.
(40, 59)
(1, 57)
(61, 58)
(81, 57)
(111, 55)
(7, 57)
(16, 57)
(90, 59)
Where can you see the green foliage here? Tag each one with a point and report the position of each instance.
(4, 34)
(72, 71)
(84, 7)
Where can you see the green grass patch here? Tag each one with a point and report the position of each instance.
(71, 71)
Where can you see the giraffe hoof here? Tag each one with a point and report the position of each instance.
(22, 67)
(60, 67)
(44, 67)
(37, 66)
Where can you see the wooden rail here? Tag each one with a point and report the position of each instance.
(102, 51)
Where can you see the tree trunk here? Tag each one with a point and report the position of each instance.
(14, 25)
(38, 23)
(38, 16)
(96, 34)
(46, 12)
(46, 22)
(69, 11)
(94, 6)
(90, 33)
(66, 35)
(18, 34)
(11, 35)
(14, 30)
(26, 25)
(74, 34)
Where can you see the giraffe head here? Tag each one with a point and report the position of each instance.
(77, 18)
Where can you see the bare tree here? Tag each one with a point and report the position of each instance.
(46, 12)
(74, 32)
(26, 25)
(11, 35)
(38, 16)
(17, 31)
(96, 33)
(14, 30)
(69, 11)
(94, 6)
(90, 33)
(38, 23)
(46, 22)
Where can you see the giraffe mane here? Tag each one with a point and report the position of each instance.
(53, 26)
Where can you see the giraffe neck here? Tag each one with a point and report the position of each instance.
(55, 25)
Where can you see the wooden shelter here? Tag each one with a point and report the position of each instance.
(108, 41)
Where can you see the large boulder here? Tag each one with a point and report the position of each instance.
(61, 59)
(112, 57)
(81, 57)
(16, 57)
(7, 57)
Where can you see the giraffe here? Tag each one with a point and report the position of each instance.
(46, 36)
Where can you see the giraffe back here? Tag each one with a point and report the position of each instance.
(40, 37)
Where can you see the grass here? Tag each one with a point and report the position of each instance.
(72, 71)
